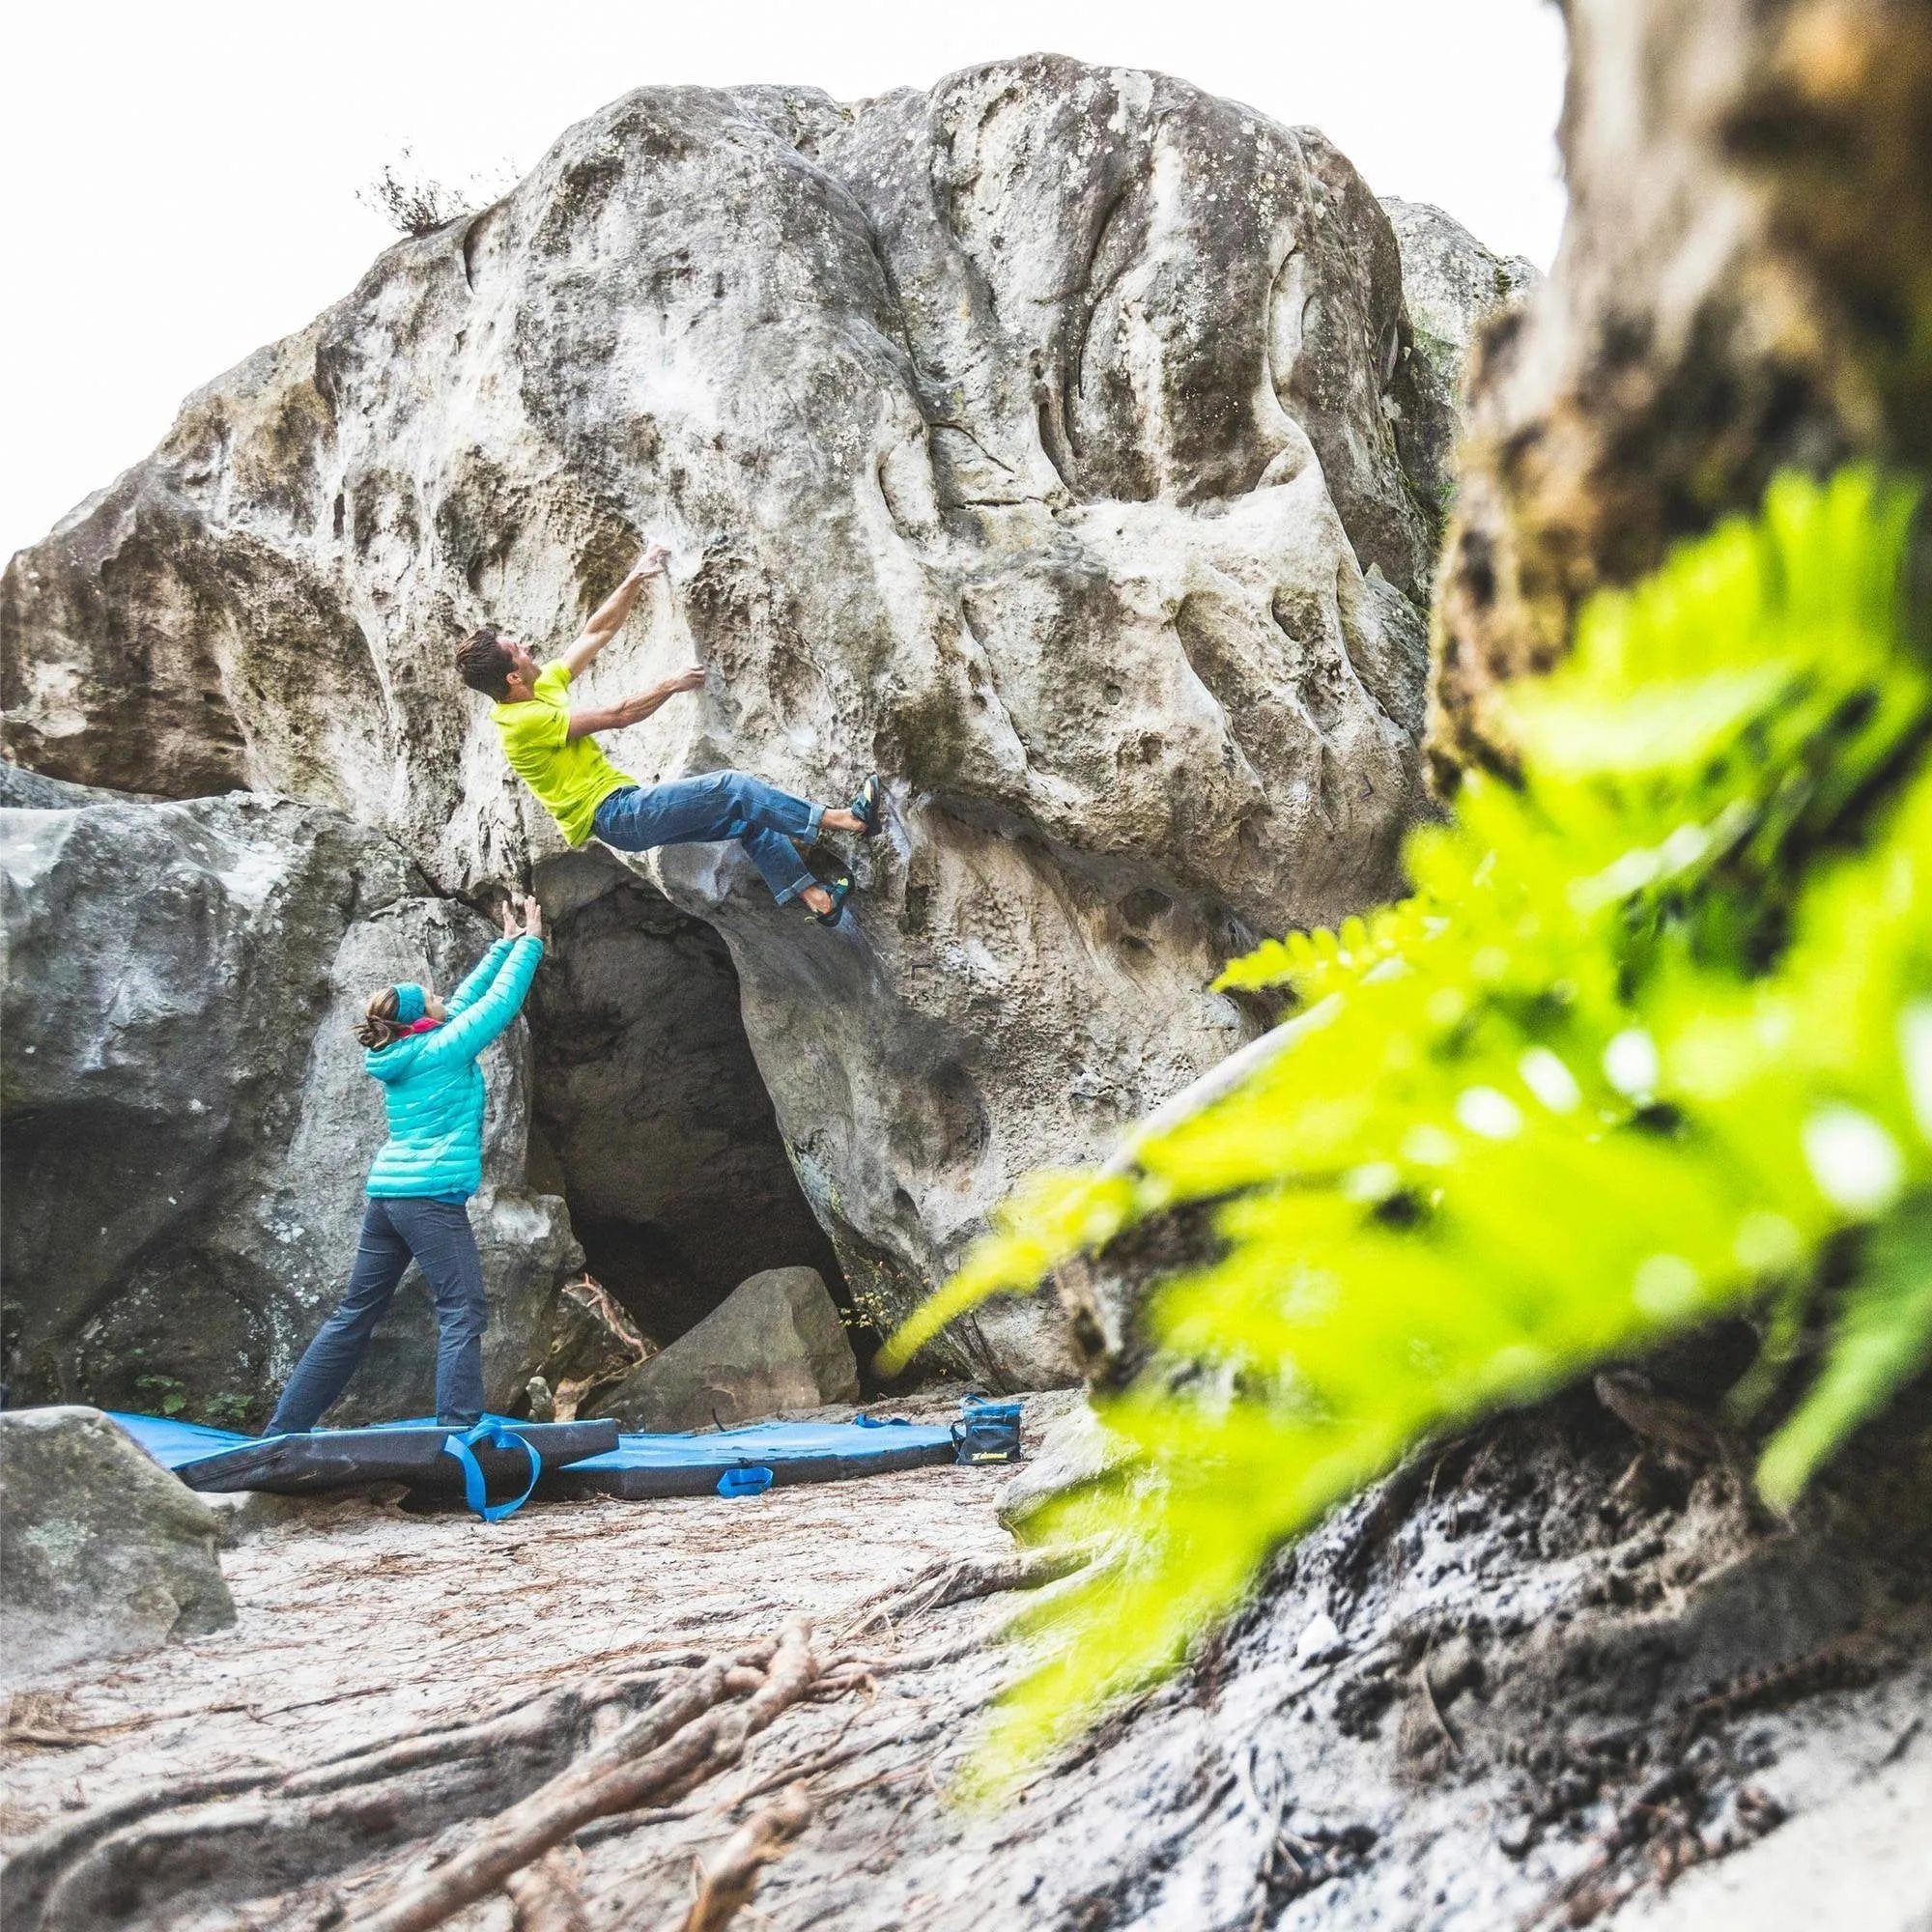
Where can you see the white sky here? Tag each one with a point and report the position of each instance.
(177, 181)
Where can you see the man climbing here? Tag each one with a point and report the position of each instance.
(554, 749)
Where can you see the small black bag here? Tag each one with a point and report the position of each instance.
(987, 1431)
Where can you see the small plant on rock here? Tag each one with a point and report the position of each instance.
(414, 203)
(169, 1395)
(227, 1410)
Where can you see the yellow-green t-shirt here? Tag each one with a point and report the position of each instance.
(570, 775)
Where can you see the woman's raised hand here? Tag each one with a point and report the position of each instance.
(507, 913)
(532, 919)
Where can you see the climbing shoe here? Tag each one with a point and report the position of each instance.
(840, 890)
(868, 808)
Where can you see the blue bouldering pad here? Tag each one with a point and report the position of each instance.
(220, 1460)
(642, 1466)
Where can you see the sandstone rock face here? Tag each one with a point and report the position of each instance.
(1452, 283)
(1859, 1859)
(776, 1343)
(102, 1553)
(1044, 442)
(1454, 1682)
(187, 1122)
(1743, 284)
(1453, 286)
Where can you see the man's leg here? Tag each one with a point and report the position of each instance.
(439, 1234)
(382, 1255)
(718, 805)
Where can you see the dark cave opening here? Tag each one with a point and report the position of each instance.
(650, 1117)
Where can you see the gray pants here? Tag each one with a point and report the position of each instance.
(435, 1235)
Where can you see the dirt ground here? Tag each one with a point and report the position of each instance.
(356, 1622)
(1545, 1676)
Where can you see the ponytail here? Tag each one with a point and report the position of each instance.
(381, 1025)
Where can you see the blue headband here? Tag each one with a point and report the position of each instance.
(408, 1003)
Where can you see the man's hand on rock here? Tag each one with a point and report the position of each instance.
(651, 564)
(634, 710)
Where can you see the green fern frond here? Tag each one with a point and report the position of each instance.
(1655, 1026)
(1882, 1340)
(1052, 1217)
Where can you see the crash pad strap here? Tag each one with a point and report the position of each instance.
(498, 1434)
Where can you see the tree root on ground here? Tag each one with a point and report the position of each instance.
(731, 1878)
(947, 1582)
(546, 1897)
(689, 1735)
(248, 1835)
(523, 1780)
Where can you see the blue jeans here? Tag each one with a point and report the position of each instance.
(437, 1235)
(719, 804)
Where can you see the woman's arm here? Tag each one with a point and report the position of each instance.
(465, 1037)
(478, 980)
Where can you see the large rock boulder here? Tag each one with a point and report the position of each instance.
(1452, 283)
(776, 1343)
(1453, 286)
(102, 1553)
(1743, 284)
(1075, 1448)
(1038, 440)
(187, 1122)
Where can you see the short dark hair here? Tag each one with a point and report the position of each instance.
(483, 662)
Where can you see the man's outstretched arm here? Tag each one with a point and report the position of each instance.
(634, 710)
(608, 619)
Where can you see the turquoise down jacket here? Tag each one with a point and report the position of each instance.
(434, 1089)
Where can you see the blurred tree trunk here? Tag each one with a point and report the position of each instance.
(1745, 283)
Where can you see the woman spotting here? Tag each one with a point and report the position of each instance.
(424, 1051)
